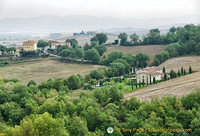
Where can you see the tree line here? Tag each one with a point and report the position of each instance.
(50, 109)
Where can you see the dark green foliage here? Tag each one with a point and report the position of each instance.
(179, 73)
(32, 82)
(29, 53)
(123, 38)
(154, 80)
(76, 53)
(165, 76)
(100, 38)
(161, 57)
(172, 74)
(118, 68)
(97, 74)
(45, 111)
(73, 42)
(74, 82)
(92, 55)
(182, 71)
(42, 43)
(190, 70)
(163, 69)
(142, 60)
(101, 49)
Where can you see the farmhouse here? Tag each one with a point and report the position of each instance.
(30, 45)
(55, 45)
(146, 73)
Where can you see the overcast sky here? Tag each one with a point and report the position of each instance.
(114, 8)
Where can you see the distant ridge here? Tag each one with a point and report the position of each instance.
(73, 23)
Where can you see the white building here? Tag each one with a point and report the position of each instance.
(146, 73)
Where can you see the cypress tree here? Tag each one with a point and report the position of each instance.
(179, 73)
(163, 69)
(190, 70)
(165, 76)
(182, 71)
(154, 80)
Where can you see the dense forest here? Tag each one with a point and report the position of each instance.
(51, 109)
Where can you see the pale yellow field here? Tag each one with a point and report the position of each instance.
(43, 70)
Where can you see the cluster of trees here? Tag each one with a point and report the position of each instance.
(181, 72)
(91, 53)
(6, 50)
(45, 110)
(24, 53)
(134, 39)
(121, 63)
(182, 41)
(174, 74)
(187, 37)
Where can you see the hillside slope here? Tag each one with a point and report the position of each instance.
(150, 50)
(176, 87)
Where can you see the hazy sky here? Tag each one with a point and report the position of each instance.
(114, 8)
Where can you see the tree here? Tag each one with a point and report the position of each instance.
(179, 73)
(42, 43)
(163, 69)
(39, 125)
(172, 74)
(74, 82)
(182, 71)
(156, 62)
(142, 60)
(154, 80)
(123, 38)
(165, 76)
(190, 70)
(101, 49)
(153, 37)
(173, 49)
(114, 55)
(100, 38)
(97, 74)
(78, 126)
(134, 38)
(32, 82)
(73, 42)
(92, 55)
(87, 47)
(119, 68)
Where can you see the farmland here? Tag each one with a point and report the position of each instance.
(176, 87)
(43, 70)
(150, 50)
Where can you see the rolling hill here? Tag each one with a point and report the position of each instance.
(175, 87)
